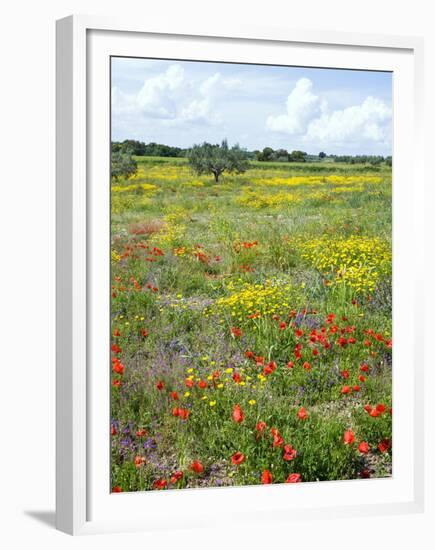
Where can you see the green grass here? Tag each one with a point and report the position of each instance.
(203, 273)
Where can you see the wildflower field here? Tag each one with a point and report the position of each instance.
(251, 325)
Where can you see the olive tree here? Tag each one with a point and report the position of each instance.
(123, 165)
(217, 159)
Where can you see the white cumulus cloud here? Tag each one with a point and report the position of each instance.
(158, 96)
(172, 98)
(196, 110)
(301, 106)
(368, 121)
(309, 119)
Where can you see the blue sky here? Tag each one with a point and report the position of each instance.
(185, 102)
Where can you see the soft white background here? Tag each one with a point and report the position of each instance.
(27, 412)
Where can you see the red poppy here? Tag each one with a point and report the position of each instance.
(116, 489)
(282, 326)
(367, 343)
(349, 437)
(364, 367)
(306, 365)
(144, 332)
(342, 342)
(302, 414)
(384, 445)
(363, 447)
(183, 414)
(160, 484)
(141, 433)
(345, 389)
(356, 387)
(237, 458)
(116, 333)
(380, 407)
(269, 368)
(113, 430)
(266, 477)
(189, 383)
(315, 352)
(249, 354)
(174, 395)
(365, 474)
(374, 413)
(202, 384)
(299, 333)
(330, 318)
(345, 373)
(261, 426)
(236, 332)
(259, 360)
(368, 408)
(294, 478)
(289, 452)
(237, 378)
(238, 415)
(176, 476)
(118, 367)
(278, 441)
(197, 467)
(160, 385)
(116, 349)
(116, 383)
(175, 411)
(290, 365)
(139, 461)
(361, 378)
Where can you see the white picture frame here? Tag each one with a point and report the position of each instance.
(84, 44)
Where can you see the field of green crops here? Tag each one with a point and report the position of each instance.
(251, 325)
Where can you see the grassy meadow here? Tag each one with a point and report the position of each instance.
(251, 325)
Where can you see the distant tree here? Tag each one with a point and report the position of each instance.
(389, 161)
(139, 148)
(376, 161)
(217, 159)
(281, 155)
(133, 147)
(267, 154)
(259, 156)
(322, 155)
(297, 156)
(123, 164)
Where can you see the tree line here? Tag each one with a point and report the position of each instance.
(268, 154)
(215, 159)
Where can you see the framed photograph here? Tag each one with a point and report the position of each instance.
(239, 275)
